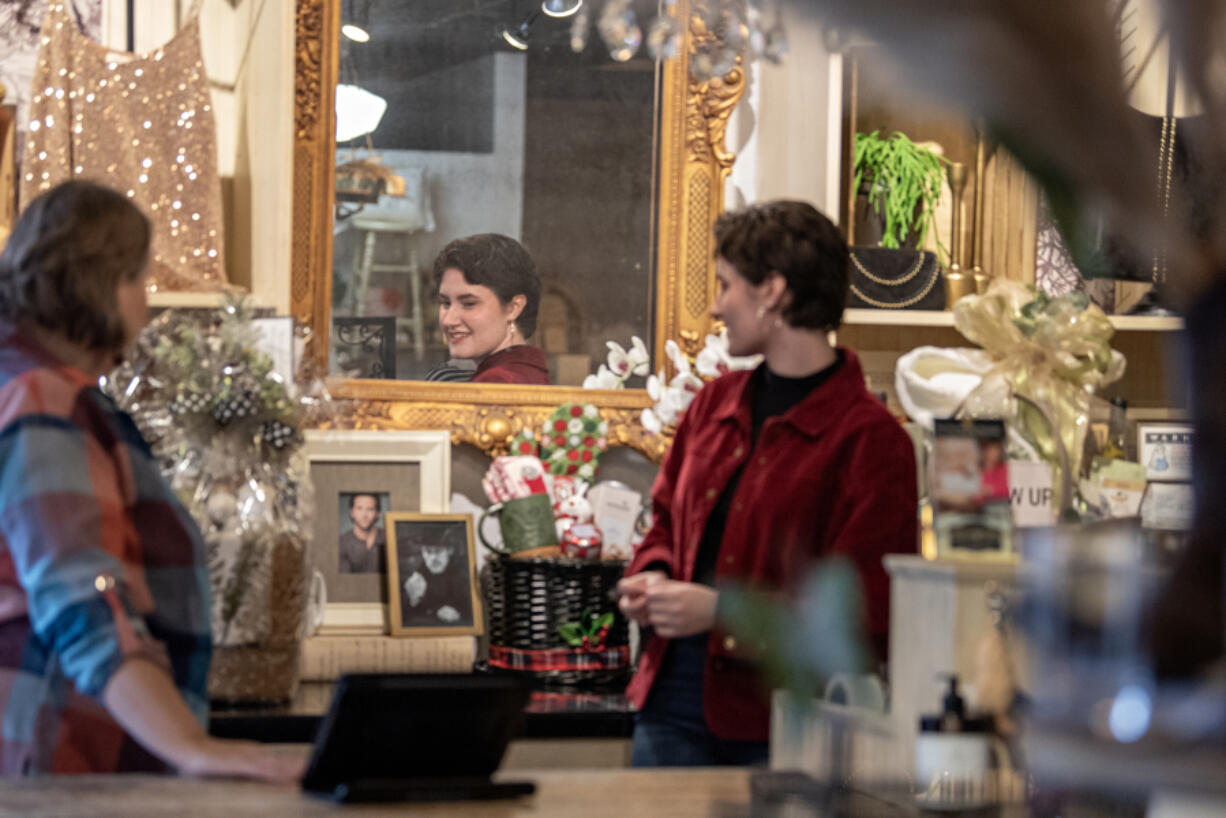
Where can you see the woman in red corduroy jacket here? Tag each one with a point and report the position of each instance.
(770, 470)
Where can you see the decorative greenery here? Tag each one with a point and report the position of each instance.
(589, 633)
(903, 178)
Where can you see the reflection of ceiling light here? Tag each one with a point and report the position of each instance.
(358, 112)
(355, 33)
(517, 37)
(560, 8)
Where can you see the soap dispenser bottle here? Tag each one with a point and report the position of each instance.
(953, 753)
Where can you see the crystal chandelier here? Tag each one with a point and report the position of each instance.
(742, 29)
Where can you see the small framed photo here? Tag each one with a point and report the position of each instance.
(359, 476)
(432, 575)
(969, 487)
(1165, 450)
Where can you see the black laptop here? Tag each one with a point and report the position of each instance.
(400, 737)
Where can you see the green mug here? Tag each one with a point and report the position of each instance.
(526, 524)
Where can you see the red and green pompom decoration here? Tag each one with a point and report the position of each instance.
(570, 442)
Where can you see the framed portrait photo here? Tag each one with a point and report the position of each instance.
(432, 575)
(359, 476)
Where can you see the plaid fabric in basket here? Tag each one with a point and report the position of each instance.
(613, 658)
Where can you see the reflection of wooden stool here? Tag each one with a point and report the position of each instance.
(364, 264)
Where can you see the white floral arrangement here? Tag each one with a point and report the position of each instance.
(670, 397)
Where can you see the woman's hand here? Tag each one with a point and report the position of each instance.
(214, 757)
(633, 591)
(677, 609)
(146, 703)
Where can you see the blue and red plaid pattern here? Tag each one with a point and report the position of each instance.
(99, 563)
(613, 658)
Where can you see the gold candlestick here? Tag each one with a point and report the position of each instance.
(982, 279)
(957, 282)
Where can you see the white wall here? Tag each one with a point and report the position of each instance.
(787, 130)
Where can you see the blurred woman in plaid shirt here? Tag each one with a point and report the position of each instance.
(104, 595)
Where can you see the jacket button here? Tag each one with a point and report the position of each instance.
(711, 494)
(729, 643)
(729, 559)
(738, 451)
(738, 505)
(762, 461)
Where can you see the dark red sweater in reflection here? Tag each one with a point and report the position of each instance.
(517, 364)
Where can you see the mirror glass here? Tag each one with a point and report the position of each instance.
(446, 129)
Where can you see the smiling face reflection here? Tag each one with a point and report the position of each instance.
(475, 323)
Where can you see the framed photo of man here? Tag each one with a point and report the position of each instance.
(432, 575)
(358, 477)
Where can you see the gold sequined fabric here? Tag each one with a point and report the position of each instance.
(139, 123)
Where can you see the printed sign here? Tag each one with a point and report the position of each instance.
(1165, 449)
(1031, 494)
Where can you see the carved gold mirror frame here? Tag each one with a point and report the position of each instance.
(693, 167)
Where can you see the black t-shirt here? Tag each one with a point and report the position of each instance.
(770, 395)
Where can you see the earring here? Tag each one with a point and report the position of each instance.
(761, 311)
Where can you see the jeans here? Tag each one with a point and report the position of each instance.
(671, 730)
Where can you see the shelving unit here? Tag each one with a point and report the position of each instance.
(945, 318)
(879, 337)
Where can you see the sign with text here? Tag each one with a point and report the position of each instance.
(1031, 494)
(1165, 449)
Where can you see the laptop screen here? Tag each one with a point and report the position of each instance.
(388, 728)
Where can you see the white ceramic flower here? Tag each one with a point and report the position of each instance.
(655, 386)
(712, 359)
(674, 353)
(651, 422)
(603, 379)
(640, 359)
(619, 360)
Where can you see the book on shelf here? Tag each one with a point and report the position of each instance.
(326, 658)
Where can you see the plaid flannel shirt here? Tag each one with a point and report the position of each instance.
(99, 563)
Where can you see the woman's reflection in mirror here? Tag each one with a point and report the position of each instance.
(488, 297)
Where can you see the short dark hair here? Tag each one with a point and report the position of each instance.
(69, 251)
(353, 498)
(500, 263)
(795, 240)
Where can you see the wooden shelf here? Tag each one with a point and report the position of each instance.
(933, 318)
(191, 300)
(195, 301)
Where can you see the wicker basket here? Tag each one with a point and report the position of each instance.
(525, 602)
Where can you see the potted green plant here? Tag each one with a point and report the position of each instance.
(902, 183)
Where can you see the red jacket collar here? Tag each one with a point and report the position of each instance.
(813, 414)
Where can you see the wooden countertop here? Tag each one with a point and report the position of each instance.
(564, 794)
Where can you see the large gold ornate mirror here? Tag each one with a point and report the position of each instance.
(610, 172)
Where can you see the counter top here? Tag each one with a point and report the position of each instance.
(550, 715)
(564, 794)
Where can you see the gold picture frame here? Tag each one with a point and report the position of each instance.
(414, 541)
(693, 166)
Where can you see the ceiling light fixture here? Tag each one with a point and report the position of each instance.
(355, 33)
(356, 25)
(561, 8)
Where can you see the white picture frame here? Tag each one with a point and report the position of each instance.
(374, 459)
